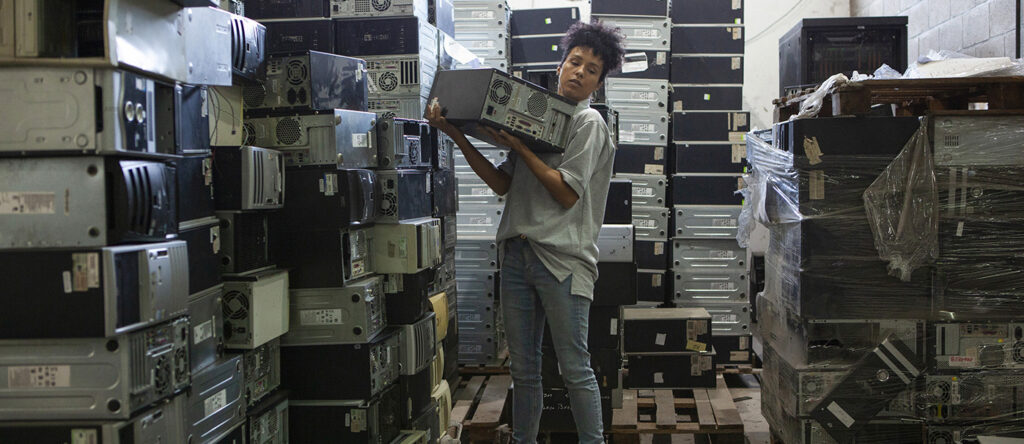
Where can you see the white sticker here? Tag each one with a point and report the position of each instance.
(954, 392)
(744, 342)
(960, 229)
(66, 277)
(659, 248)
(642, 191)
(659, 153)
(39, 376)
(360, 140)
(723, 286)
(660, 58)
(736, 4)
(656, 280)
(720, 222)
(26, 202)
(813, 150)
(737, 63)
(330, 184)
(644, 95)
(326, 316)
(659, 339)
(728, 318)
(739, 152)
(720, 254)
(646, 33)
(85, 436)
(481, 220)
(645, 223)
(817, 184)
(677, 106)
(840, 414)
(202, 332)
(739, 356)
(705, 363)
(654, 169)
(215, 239)
(637, 66)
(216, 402)
(484, 44)
(659, 378)
(695, 365)
(737, 137)
(481, 191)
(626, 136)
(644, 128)
(482, 14)
(80, 272)
(614, 329)
(737, 33)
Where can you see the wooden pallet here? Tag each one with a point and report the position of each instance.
(912, 97)
(677, 412)
(479, 406)
(499, 366)
(737, 369)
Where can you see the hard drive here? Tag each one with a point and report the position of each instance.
(703, 69)
(404, 195)
(651, 222)
(371, 420)
(710, 126)
(93, 378)
(307, 81)
(641, 33)
(206, 340)
(267, 422)
(325, 197)
(706, 97)
(652, 253)
(444, 194)
(616, 284)
(404, 143)
(244, 242)
(85, 202)
(708, 255)
(353, 314)
(248, 48)
(292, 36)
(649, 190)
(262, 367)
(707, 189)
(216, 402)
(709, 157)
(248, 178)
(645, 65)
(699, 286)
(635, 159)
(978, 345)
(648, 330)
(646, 129)
(707, 40)
(194, 179)
(375, 365)
(416, 344)
(255, 308)
(95, 292)
(619, 206)
(615, 243)
(160, 423)
(706, 221)
(180, 118)
(637, 95)
(707, 12)
(407, 247)
(649, 8)
(477, 98)
(373, 9)
(386, 36)
(342, 138)
(407, 296)
(672, 370)
(288, 9)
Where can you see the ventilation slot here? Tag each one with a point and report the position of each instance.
(410, 72)
(363, 6)
(257, 172)
(237, 43)
(952, 141)
(254, 96)
(297, 72)
(288, 131)
(248, 134)
(537, 104)
(381, 5)
(140, 376)
(501, 92)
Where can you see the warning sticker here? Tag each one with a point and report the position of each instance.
(40, 376)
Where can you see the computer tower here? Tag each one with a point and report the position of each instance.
(129, 201)
(615, 243)
(94, 378)
(707, 12)
(476, 98)
(705, 69)
(710, 126)
(400, 74)
(206, 339)
(404, 143)
(707, 189)
(689, 369)
(262, 367)
(706, 97)
(652, 254)
(645, 65)
(160, 423)
(244, 242)
(181, 122)
(215, 405)
(353, 314)
(708, 40)
(652, 286)
(248, 178)
(325, 197)
(374, 365)
(307, 81)
(616, 284)
(717, 157)
(343, 9)
(416, 343)
(619, 206)
(287, 9)
(537, 51)
(641, 33)
(408, 246)
(93, 292)
(342, 138)
(323, 422)
(541, 21)
(444, 194)
(407, 295)
(646, 330)
(642, 128)
(202, 237)
(638, 159)
(194, 179)
(385, 36)
(706, 221)
(652, 8)
(267, 422)
(255, 308)
(292, 36)
(404, 195)
(248, 48)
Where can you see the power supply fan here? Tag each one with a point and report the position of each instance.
(939, 392)
(288, 131)
(387, 81)
(254, 95)
(297, 72)
(537, 104)
(940, 437)
(248, 134)
(236, 305)
(1018, 351)
(381, 5)
(389, 204)
(501, 91)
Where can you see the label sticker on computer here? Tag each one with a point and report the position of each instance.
(656, 280)
(654, 169)
(737, 33)
(85, 436)
(216, 402)
(360, 140)
(659, 378)
(723, 222)
(642, 191)
(634, 62)
(695, 365)
(482, 14)
(202, 332)
(696, 346)
(26, 202)
(737, 63)
(646, 33)
(326, 316)
(739, 356)
(726, 318)
(39, 376)
(659, 338)
(614, 328)
(739, 152)
(722, 286)
(645, 223)
(816, 179)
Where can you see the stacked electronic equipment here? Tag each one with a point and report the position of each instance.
(114, 329)
(371, 190)
(853, 353)
(482, 27)
(709, 269)
(537, 43)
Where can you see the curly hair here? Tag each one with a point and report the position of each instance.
(604, 40)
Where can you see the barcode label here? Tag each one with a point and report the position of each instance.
(216, 402)
(728, 222)
(646, 33)
(26, 202)
(643, 128)
(39, 376)
(642, 191)
(202, 332)
(644, 95)
(645, 223)
(326, 316)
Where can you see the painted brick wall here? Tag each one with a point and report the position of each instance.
(981, 28)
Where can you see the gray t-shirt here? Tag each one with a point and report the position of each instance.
(565, 240)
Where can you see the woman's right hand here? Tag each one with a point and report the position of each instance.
(438, 121)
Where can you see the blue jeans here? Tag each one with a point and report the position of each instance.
(529, 293)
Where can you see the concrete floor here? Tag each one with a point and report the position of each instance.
(746, 393)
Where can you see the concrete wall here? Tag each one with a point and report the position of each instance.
(981, 28)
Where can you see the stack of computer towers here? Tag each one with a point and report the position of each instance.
(537, 43)
(482, 26)
(709, 269)
(113, 328)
